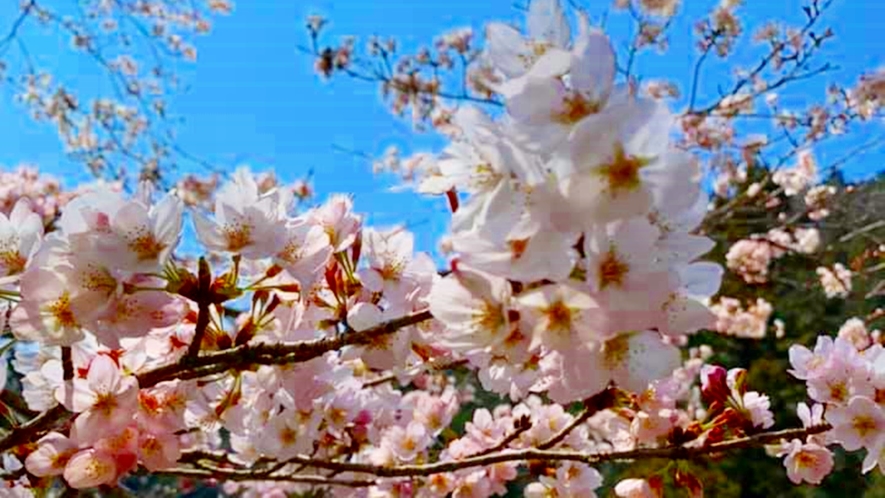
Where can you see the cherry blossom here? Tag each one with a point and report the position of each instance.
(807, 462)
(246, 220)
(20, 236)
(858, 424)
(836, 281)
(106, 400)
(52, 455)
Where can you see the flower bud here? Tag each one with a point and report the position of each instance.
(714, 387)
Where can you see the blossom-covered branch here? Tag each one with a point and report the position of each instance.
(501, 456)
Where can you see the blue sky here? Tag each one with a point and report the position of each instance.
(252, 98)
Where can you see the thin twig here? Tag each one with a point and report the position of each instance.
(204, 279)
(520, 426)
(435, 365)
(862, 230)
(13, 31)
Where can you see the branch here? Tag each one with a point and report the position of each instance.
(28, 432)
(855, 152)
(696, 77)
(435, 365)
(594, 404)
(813, 18)
(204, 280)
(67, 364)
(862, 230)
(520, 425)
(315, 480)
(241, 357)
(533, 454)
(238, 358)
(26, 10)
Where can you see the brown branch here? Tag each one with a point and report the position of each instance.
(813, 17)
(315, 480)
(28, 432)
(696, 77)
(533, 454)
(241, 357)
(598, 402)
(687, 453)
(864, 229)
(856, 152)
(15, 402)
(26, 10)
(238, 358)
(204, 281)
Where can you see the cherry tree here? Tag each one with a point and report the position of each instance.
(593, 273)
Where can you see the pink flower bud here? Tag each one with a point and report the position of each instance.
(713, 384)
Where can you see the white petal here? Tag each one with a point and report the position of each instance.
(506, 49)
(546, 21)
(701, 279)
(593, 64)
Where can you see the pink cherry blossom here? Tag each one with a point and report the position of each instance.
(51, 456)
(338, 220)
(758, 407)
(807, 462)
(106, 399)
(858, 424)
(246, 221)
(20, 236)
(90, 468)
(562, 316)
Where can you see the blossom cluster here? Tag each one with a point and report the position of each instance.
(733, 319)
(845, 379)
(558, 206)
(44, 192)
(836, 281)
(106, 286)
(751, 258)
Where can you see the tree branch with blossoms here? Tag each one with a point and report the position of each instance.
(240, 358)
(527, 455)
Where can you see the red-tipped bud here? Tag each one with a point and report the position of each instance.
(714, 385)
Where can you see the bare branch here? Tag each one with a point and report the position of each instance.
(862, 230)
(29, 432)
(26, 10)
